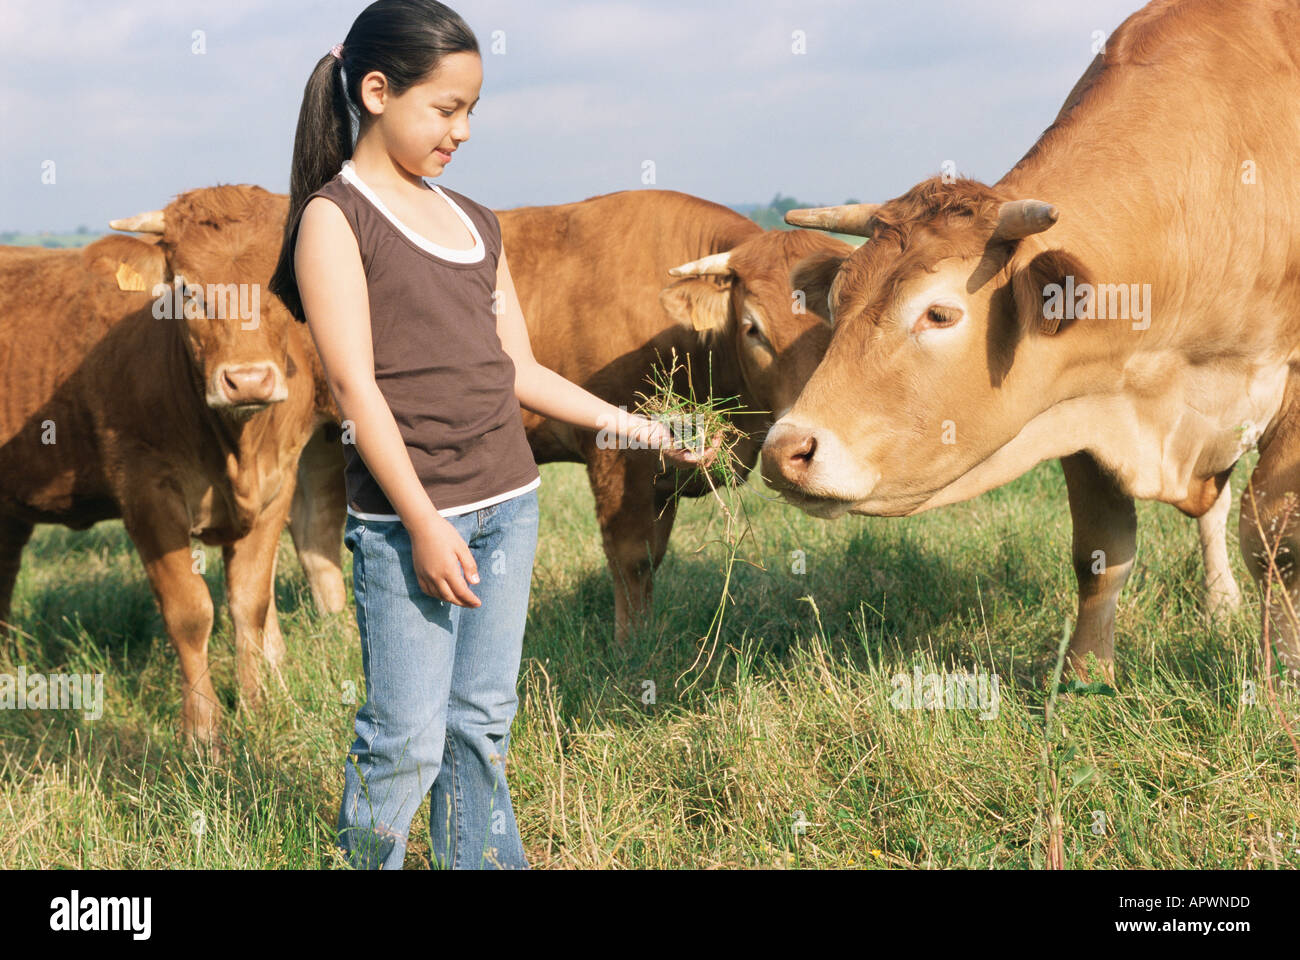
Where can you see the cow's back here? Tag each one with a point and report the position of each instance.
(589, 274)
(1179, 142)
(64, 369)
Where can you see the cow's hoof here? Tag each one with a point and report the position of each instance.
(1089, 668)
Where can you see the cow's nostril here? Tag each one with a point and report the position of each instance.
(249, 384)
(797, 455)
(788, 452)
(805, 450)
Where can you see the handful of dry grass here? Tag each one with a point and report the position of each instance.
(698, 424)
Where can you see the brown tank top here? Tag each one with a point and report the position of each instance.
(438, 360)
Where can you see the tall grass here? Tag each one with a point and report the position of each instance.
(786, 752)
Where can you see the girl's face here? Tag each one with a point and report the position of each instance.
(425, 124)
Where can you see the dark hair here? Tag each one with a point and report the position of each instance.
(405, 40)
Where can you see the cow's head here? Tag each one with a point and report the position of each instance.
(740, 301)
(940, 353)
(216, 250)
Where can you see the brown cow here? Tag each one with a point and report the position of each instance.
(1127, 298)
(319, 502)
(180, 405)
(591, 281)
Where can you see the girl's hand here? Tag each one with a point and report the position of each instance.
(440, 553)
(659, 437)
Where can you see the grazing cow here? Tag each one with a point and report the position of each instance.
(1126, 298)
(182, 413)
(591, 282)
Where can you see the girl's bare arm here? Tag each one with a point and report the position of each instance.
(542, 390)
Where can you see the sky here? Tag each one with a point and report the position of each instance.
(580, 96)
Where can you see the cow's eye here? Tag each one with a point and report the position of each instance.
(940, 315)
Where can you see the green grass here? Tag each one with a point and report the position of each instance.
(793, 715)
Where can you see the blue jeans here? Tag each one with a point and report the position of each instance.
(440, 694)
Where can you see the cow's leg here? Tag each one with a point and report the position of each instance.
(186, 606)
(14, 534)
(1222, 595)
(317, 518)
(272, 638)
(1105, 543)
(250, 580)
(634, 527)
(1270, 520)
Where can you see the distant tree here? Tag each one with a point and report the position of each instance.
(772, 216)
(83, 229)
(783, 205)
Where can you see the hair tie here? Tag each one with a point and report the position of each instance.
(336, 51)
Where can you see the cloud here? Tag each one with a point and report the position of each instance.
(713, 93)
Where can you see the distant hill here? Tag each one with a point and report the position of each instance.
(769, 216)
(46, 238)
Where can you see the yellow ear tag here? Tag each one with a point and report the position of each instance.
(128, 278)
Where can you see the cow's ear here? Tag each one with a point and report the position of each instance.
(1047, 291)
(813, 277)
(701, 303)
(129, 262)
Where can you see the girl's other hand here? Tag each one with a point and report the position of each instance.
(440, 554)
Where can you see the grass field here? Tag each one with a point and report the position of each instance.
(786, 752)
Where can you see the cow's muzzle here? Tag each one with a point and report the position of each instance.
(810, 469)
(246, 386)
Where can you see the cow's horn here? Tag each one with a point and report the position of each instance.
(150, 222)
(1022, 218)
(714, 265)
(853, 219)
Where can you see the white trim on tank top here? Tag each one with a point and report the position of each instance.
(455, 511)
(474, 254)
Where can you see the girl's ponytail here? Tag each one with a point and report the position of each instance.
(405, 40)
(320, 145)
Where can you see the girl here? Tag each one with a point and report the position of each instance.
(406, 291)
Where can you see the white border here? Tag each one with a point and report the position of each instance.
(455, 511)
(474, 254)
